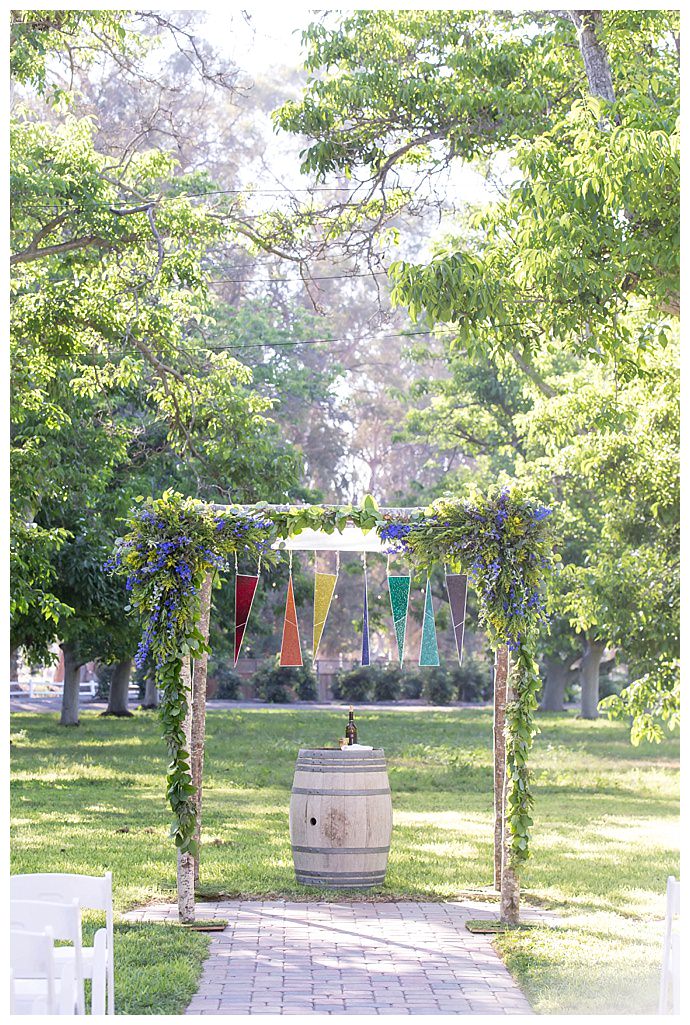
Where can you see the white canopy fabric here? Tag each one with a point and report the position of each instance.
(352, 539)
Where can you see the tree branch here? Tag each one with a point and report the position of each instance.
(534, 377)
(29, 255)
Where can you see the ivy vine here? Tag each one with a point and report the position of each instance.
(502, 539)
(173, 542)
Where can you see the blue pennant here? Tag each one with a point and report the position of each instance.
(365, 625)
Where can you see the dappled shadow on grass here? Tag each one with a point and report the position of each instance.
(100, 789)
(604, 837)
(600, 739)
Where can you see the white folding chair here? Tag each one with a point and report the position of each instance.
(669, 990)
(32, 973)
(94, 893)
(64, 923)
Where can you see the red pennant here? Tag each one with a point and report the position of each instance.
(245, 589)
(290, 649)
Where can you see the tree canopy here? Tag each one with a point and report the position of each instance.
(555, 305)
(169, 329)
(116, 389)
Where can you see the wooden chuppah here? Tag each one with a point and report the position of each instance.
(353, 540)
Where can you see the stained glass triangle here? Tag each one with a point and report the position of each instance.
(290, 649)
(428, 652)
(324, 586)
(456, 585)
(365, 626)
(245, 589)
(399, 591)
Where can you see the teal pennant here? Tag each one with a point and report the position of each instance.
(428, 652)
(399, 591)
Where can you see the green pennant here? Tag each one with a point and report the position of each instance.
(428, 652)
(399, 591)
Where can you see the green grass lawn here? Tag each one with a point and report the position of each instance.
(605, 836)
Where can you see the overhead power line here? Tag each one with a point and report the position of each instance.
(321, 341)
(266, 280)
(249, 191)
(309, 277)
(371, 337)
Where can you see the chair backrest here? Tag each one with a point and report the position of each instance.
(92, 892)
(670, 977)
(64, 923)
(672, 897)
(31, 956)
(63, 920)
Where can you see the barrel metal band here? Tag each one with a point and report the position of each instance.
(333, 884)
(336, 755)
(306, 767)
(369, 876)
(342, 766)
(340, 793)
(341, 850)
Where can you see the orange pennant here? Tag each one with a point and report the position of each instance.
(290, 649)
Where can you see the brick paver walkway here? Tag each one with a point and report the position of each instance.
(289, 957)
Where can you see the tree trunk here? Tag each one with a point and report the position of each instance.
(553, 693)
(119, 689)
(14, 665)
(199, 712)
(589, 31)
(589, 678)
(70, 688)
(150, 692)
(500, 683)
(185, 862)
(510, 882)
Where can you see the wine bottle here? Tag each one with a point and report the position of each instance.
(351, 729)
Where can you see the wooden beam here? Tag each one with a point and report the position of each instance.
(392, 510)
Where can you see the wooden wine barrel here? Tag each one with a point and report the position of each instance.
(340, 818)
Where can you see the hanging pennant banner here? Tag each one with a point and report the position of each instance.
(428, 652)
(399, 591)
(324, 586)
(365, 621)
(456, 585)
(290, 649)
(245, 589)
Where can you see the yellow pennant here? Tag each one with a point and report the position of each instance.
(324, 586)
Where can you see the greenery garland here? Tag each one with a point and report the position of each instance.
(504, 542)
(173, 542)
(502, 539)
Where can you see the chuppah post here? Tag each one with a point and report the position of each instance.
(510, 881)
(500, 687)
(185, 862)
(198, 733)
